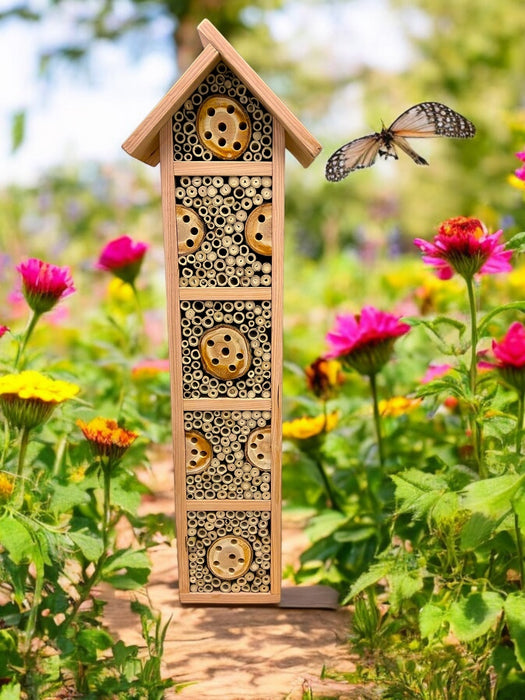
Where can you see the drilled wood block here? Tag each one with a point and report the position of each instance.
(222, 120)
(224, 230)
(229, 551)
(238, 363)
(228, 455)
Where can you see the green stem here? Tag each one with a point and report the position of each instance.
(106, 508)
(377, 420)
(37, 598)
(473, 375)
(519, 543)
(27, 334)
(106, 527)
(519, 426)
(473, 335)
(327, 485)
(140, 315)
(24, 441)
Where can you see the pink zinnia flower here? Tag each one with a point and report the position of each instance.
(434, 372)
(3, 330)
(365, 341)
(520, 172)
(123, 257)
(463, 245)
(44, 285)
(510, 353)
(149, 368)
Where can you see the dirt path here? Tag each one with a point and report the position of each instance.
(238, 653)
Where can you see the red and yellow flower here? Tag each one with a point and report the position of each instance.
(463, 245)
(107, 437)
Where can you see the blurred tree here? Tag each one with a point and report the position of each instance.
(113, 20)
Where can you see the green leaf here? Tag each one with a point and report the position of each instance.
(374, 574)
(67, 497)
(324, 524)
(18, 129)
(418, 491)
(474, 615)
(514, 305)
(126, 500)
(91, 547)
(403, 585)
(357, 535)
(127, 569)
(17, 540)
(91, 641)
(493, 497)
(431, 619)
(10, 692)
(477, 530)
(517, 242)
(514, 607)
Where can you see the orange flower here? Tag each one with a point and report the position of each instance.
(6, 487)
(107, 438)
(323, 377)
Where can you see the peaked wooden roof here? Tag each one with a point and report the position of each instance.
(143, 143)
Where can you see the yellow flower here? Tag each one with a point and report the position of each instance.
(6, 487)
(516, 182)
(29, 398)
(119, 291)
(33, 385)
(107, 438)
(307, 427)
(398, 406)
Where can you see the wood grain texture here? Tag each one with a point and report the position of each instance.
(216, 504)
(277, 345)
(225, 293)
(299, 140)
(169, 221)
(221, 167)
(229, 598)
(144, 142)
(227, 404)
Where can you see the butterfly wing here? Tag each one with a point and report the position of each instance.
(404, 146)
(432, 119)
(360, 153)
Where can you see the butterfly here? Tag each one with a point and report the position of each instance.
(423, 120)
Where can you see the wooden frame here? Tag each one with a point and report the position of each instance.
(257, 512)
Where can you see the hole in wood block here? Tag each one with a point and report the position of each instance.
(258, 229)
(226, 343)
(199, 452)
(190, 230)
(223, 126)
(259, 448)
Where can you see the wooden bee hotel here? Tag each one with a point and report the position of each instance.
(220, 136)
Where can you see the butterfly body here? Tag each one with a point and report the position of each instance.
(423, 120)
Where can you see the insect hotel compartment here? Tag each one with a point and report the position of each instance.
(226, 349)
(224, 231)
(222, 120)
(228, 455)
(229, 551)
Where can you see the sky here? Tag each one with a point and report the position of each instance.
(87, 115)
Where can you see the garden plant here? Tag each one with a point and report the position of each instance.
(69, 488)
(416, 474)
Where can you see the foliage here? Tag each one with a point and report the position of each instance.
(65, 499)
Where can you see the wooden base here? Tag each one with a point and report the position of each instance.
(312, 597)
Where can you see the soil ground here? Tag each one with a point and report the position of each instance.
(237, 653)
